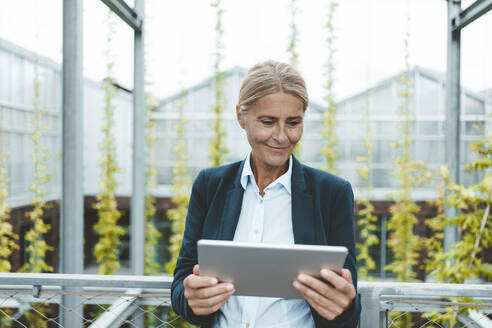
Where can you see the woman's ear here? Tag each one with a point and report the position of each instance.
(240, 116)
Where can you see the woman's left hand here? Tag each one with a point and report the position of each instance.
(328, 301)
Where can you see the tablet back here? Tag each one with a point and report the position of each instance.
(265, 269)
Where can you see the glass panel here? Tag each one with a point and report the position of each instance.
(382, 178)
(17, 82)
(28, 83)
(4, 77)
(474, 106)
(430, 127)
(357, 148)
(382, 101)
(474, 128)
(428, 97)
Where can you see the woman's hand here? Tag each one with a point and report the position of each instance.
(205, 295)
(328, 300)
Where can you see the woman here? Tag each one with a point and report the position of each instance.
(269, 197)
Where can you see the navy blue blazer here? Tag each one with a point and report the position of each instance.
(322, 214)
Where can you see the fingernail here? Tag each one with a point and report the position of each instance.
(302, 278)
(296, 284)
(213, 281)
(230, 287)
(324, 273)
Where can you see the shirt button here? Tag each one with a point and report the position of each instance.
(257, 231)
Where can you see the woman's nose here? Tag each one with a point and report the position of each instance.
(280, 135)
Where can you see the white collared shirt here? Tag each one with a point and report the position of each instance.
(266, 219)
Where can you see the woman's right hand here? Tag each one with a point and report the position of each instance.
(206, 295)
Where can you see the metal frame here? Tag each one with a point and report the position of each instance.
(468, 15)
(127, 14)
(126, 294)
(71, 223)
(457, 20)
(379, 297)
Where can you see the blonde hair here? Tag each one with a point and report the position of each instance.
(271, 77)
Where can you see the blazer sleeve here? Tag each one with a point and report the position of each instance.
(341, 233)
(197, 210)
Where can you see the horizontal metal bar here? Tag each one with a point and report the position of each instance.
(117, 312)
(127, 14)
(85, 280)
(424, 289)
(468, 15)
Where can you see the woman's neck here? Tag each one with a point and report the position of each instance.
(266, 174)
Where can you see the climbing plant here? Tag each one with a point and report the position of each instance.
(106, 249)
(329, 133)
(463, 261)
(152, 235)
(293, 37)
(402, 241)
(38, 247)
(366, 220)
(7, 237)
(181, 188)
(293, 54)
(216, 147)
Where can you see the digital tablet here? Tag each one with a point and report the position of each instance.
(265, 269)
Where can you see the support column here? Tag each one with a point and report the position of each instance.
(137, 211)
(452, 124)
(72, 199)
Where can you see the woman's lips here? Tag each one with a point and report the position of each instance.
(278, 150)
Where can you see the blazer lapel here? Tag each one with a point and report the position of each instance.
(303, 221)
(230, 214)
(232, 208)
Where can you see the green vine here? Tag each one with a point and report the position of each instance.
(366, 221)
(181, 188)
(293, 54)
(461, 263)
(216, 147)
(106, 249)
(152, 235)
(37, 245)
(292, 48)
(329, 133)
(402, 241)
(7, 236)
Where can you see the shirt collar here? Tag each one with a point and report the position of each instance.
(285, 179)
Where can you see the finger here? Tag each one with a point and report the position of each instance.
(320, 287)
(324, 312)
(321, 304)
(336, 280)
(193, 281)
(209, 310)
(209, 302)
(196, 270)
(347, 275)
(208, 292)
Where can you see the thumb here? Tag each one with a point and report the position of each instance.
(196, 270)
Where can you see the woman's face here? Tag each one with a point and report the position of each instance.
(273, 127)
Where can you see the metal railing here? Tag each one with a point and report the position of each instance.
(112, 301)
(387, 304)
(28, 299)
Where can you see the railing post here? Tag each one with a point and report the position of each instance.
(452, 124)
(137, 212)
(72, 200)
(371, 314)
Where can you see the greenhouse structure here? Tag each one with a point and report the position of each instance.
(74, 150)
